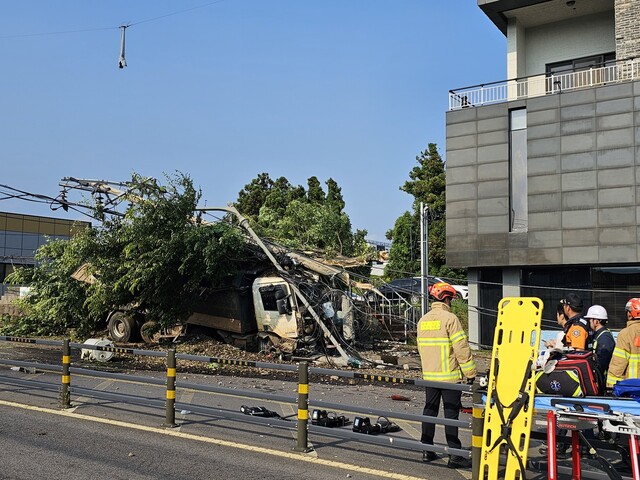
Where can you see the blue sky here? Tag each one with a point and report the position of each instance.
(347, 89)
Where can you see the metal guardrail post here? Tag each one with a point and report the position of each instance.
(477, 428)
(170, 416)
(65, 397)
(303, 407)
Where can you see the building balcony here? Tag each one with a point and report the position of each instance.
(546, 84)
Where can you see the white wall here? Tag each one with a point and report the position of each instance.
(569, 39)
(528, 51)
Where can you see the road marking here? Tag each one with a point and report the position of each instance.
(214, 441)
(78, 401)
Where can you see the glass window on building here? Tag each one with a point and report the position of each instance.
(13, 240)
(489, 296)
(612, 288)
(551, 285)
(580, 72)
(518, 192)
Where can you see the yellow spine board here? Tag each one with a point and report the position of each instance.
(515, 344)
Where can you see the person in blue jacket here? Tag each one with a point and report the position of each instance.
(603, 342)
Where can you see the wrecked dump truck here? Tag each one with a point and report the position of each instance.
(290, 303)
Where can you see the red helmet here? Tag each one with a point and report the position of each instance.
(633, 307)
(442, 290)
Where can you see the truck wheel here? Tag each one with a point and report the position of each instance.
(149, 332)
(122, 328)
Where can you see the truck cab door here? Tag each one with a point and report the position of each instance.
(274, 306)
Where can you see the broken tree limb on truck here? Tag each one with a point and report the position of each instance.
(244, 223)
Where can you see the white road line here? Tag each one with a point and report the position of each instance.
(173, 433)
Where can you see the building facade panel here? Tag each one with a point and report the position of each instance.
(579, 161)
(616, 157)
(579, 199)
(544, 165)
(547, 202)
(579, 237)
(543, 221)
(615, 177)
(584, 180)
(581, 142)
(614, 197)
(580, 126)
(587, 254)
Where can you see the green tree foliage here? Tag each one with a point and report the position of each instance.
(404, 254)
(427, 184)
(157, 259)
(303, 219)
(315, 194)
(252, 197)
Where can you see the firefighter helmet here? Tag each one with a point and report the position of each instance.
(442, 290)
(633, 307)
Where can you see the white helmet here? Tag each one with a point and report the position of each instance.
(598, 312)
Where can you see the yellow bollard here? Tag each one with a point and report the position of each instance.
(170, 416)
(303, 407)
(477, 427)
(65, 397)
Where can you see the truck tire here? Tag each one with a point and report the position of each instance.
(149, 332)
(122, 327)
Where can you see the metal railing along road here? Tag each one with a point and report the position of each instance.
(544, 84)
(303, 400)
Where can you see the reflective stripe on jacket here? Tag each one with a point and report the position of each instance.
(442, 343)
(625, 361)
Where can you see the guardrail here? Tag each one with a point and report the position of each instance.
(302, 400)
(545, 84)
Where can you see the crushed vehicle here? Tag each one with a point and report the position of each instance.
(290, 303)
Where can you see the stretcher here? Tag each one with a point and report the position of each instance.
(615, 416)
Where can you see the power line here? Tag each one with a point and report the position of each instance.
(98, 29)
(62, 32)
(175, 13)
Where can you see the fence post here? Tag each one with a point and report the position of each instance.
(303, 407)
(170, 416)
(477, 428)
(65, 397)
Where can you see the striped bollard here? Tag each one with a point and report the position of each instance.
(477, 428)
(65, 396)
(303, 407)
(170, 416)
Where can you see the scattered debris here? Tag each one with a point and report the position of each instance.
(401, 398)
(31, 370)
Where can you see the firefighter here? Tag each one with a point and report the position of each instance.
(446, 357)
(626, 356)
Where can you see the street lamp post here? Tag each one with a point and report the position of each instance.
(424, 255)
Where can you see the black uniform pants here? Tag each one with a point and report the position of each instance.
(452, 404)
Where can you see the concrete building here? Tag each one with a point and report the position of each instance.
(543, 168)
(21, 235)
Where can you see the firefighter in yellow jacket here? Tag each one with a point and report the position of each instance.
(625, 362)
(446, 357)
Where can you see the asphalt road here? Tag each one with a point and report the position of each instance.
(39, 444)
(111, 438)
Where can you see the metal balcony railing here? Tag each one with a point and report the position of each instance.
(545, 84)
